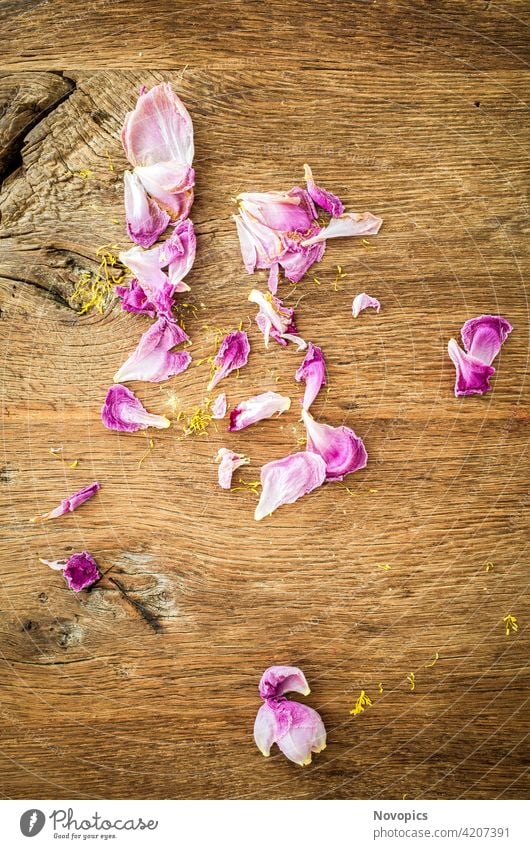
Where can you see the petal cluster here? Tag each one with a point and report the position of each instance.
(482, 338)
(275, 320)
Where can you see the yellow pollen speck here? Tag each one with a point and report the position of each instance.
(362, 702)
(380, 687)
(510, 623)
(412, 680)
(436, 656)
(74, 464)
(94, 289)
(488, 566)
(385, 566)
(199, 420)
(85, 173)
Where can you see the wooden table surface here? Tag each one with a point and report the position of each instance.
(418, 112)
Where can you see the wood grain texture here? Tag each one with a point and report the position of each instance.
(95, 703)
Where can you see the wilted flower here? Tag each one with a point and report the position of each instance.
(229, 461)
(79, 571)
(296, 728)
(313, 372)
(285, 481)
(257, 408)
(341, 449)
(362, 302)
(153, 359)
(275, 320)
(233, 354)
(70, 503)
(123, 411)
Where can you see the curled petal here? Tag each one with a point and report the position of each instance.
(158, 129)
(233, 354)
(278, 680)
(313, 372)
(134, 299)
(362, 302)
(229, 461)
(265, 729)
(145, 266)
(284, 481)
(340, 448)
(326, 200)
(472, 375)
(257, 408)
(484, 336)
(71, 503)
(297, 258)
(297, 730)
(123, 411)
(145, 220)
(280, 211)
(178, 252)
(219, 406)
(171, 184)
(80, 570)
(348, 224)
(153, 360)
(275, 320)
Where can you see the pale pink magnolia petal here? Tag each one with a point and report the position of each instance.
(484, 336)
(178, 252)
(70, 503)
(273, 278)
(260, 245)
(362, 302)
(153, 359)
(171, 185)
(285, 481)
(313, 372)
(278, 680)
(233, 354)
(265, 729)
(472, 375)
(219, 406)
(280, 211)
(229, 461)
(80, 571)
(145, 220)
(275, 320)
(158, 129)
(326, 200)
(348, 224)
(124, 412)
(257, 408)
(133, 299)
(341, 449)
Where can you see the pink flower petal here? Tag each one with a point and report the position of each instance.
(133, 299)
(341, 449)
(278, 680)
(472, 375)
(280, 211)
(145, 220)
(257, 408)
(79, 571)
(275, 320)
(233, 354)
(153, 360)
(171, 184)
(265, 729)
(219, 406)
(229, 461)
(348, 224)
(313, 372)
(362, 302)
(124, 412)
(260, 246)
(145, 266)
(158, 129)
(284, 481)
(484, 336)
(326, 200)
(70, 503)
(297, 258)
(273, 278)
(178, 252)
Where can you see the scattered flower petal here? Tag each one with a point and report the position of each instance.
(133, 299)
(326, 200)
(219, 406)
(159, 129)
(348, 224)
(284, 481)
(280, 211)
(229, 461)
(145, 266)
(273, 278)
(341, 449)
(313, 372)
(145, 220)
(124, 412)
(71, 503)
(484, 336)
(260, 246)
(80, 570)
(233, 354)
(362, 302)
(178, 252)
(171, 184)
(278, 680)
(275, 320)
(153, 360)
(257, 408)
(472, 375)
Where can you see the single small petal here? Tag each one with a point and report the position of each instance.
(484, 336)
(145, 220)
(133, 299)
(284, 481)
(229, 461)
(326, 200)
(313, 372)
(341, 449)
(265, 729)
(280, 211)
(80, 570)
(158, 129)
(219, 406)
(348, 224)
(123, 411)
(275, 320)
(178, 252)
(362, 302)
(472, 375)
(71, 503)
(153, 359)
(278, 680)
(233, 354)
(257, 408)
